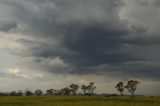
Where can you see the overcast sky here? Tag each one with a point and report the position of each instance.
(53, 43)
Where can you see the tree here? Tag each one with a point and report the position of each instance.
(91, 87)
(19, 93)
(28, 93)
(74, 88)
(58, 92)
(65, 91)
(13, 93)
(132, 86)
(120, 87)
(4, 94)
(50, 92)
(38, 92)
(84, 88)
(88, 90)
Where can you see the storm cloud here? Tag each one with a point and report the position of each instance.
(118, 38)
(7, 26)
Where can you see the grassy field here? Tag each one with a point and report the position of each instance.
(79, 101)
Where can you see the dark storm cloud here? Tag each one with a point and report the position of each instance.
(52, 17)
(155, 3)
(6, 25)
(88, 39)
(97, 45)
(84, 34)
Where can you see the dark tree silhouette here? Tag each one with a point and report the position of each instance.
(19, 93)
(13, 93)
(4, 94)
(88, 90)
(28, 93)
(58, 92)
(50, 92)
(65, 91)
(74, 88)
(120, 87)
(132, 86)
(84, 88)
(91, 87)
(38, 92)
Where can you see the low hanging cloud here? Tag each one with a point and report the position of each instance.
(17, 73)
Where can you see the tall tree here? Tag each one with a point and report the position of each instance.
(13, 93)
(91, 87)
(38, 92)
(120, 87)
(65, 91)
(50, 92)
(74, 88)
(84, 88)
(28, 93)
(132, 86)
(19, 93)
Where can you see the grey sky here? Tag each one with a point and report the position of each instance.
(80, 41)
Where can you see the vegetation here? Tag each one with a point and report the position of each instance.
(38, 92)
(120, 87)
(88, 90)
(78, 101)
(72, 90)
(63, 97)
(132, 86)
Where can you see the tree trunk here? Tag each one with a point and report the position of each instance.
(84, 92)
(92, 92)
(121, 94)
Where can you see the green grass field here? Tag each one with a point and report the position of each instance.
(79, 101)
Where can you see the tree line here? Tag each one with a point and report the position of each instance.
(72, 89)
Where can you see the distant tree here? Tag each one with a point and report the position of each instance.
(65, 91)
(38, 92)
(91, 87)
(28, 93)
(58, 92)
(13, 93)
(84, 88)
(120, 87)
(2, 94)
(19, 93)
(5, 94)
(50, 92)
(132, 86)
(74, 88)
